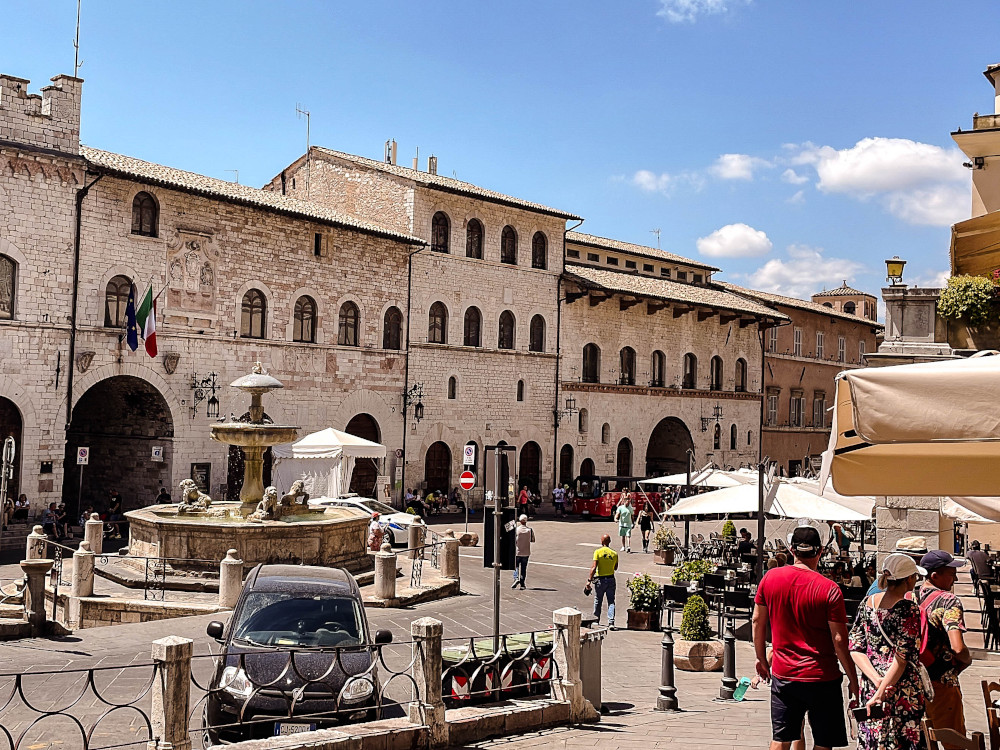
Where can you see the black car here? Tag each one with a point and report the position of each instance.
(297, 656)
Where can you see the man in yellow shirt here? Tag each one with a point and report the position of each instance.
(602, 575)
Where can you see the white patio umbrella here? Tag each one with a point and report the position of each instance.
(705, 478)
(975, 509)
(923, 429)
(785, 499)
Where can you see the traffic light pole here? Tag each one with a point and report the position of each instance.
(497, 521)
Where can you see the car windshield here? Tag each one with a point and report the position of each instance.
(376, 507)
(290, 619)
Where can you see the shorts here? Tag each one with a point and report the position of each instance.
(823, 702)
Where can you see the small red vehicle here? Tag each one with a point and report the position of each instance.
(597, 497)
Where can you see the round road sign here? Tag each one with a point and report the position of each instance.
(467, 480)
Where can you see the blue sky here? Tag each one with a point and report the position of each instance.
(793, 144)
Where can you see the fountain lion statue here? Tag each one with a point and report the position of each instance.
(192, 500)
(267, 509)
(296, 495)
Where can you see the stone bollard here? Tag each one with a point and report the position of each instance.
(729, 680)
(81, 583)
(449, 562)
(171, 694)
(93, 532)
(429, 706)
(37, 544)
(230, 580)
(34, 594)
(415, 537)
(568, 687)
(385, 572)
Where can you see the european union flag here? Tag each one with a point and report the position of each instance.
(131, 329)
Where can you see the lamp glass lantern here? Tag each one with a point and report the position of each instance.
(418, 411)
(894, 270)
(213, 407)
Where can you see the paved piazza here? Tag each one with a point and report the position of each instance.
(559, 564)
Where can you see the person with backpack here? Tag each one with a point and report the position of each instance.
(943, 649)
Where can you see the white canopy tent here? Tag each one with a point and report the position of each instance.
(706, 478)
(786, 500)
(323, 460)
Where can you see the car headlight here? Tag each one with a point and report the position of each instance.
(235, 682)
(357, 689)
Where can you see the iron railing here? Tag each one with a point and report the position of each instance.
(155, 570)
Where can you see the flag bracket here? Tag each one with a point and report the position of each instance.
(205, 388)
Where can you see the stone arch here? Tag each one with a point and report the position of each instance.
(93, 314)
(366, 470)
(587, 468)
(370, 402)
(12, 425)
(666, 452)
(624, 462)
(566, 464)
(529, 466)
(306, 291)
(437, 467)
(271, 312)
(362, 319)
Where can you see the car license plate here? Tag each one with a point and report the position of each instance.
(283, 728)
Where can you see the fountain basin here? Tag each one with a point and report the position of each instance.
(249, 435)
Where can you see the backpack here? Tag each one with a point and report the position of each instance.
(926, 655)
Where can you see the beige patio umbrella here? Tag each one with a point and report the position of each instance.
(928, 429)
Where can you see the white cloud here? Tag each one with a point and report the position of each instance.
(651, 182)
(735, 241)
(932, 279)
(936, 206)
(737, 166)
(799, 197)
(687, 11)
(803, 273)
(794, 178)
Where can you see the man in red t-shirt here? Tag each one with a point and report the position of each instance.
(809, 636)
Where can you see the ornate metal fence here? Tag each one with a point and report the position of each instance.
(155, 570)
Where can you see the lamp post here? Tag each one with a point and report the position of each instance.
(894, 270)
(413, 396)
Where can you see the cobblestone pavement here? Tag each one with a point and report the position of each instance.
(559, 563)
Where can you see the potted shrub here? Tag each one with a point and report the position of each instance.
(692, 570)
(696, 650)
(664, 546)
(729, 531)
(644, 603)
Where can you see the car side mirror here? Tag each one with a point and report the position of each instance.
(383, 636)
(215, 629)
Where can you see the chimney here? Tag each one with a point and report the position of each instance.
(432, 164)
(390, 151)
(416, 166)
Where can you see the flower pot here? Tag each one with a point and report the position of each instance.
(663, 556)
(698, 656)
(639, 620)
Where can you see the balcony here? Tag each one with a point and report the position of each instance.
(986, 122)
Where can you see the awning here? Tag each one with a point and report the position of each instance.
(323, 460)
(786, 500)
(705, 478)
(972, 509)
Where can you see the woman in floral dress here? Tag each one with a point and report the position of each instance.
(884, 643)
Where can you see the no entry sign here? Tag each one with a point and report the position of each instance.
(467, 480)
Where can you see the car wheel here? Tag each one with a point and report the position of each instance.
(390, 538)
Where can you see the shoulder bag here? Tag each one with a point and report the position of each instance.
(922, 673)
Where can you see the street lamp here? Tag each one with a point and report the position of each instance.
(414, 397)
(566, 413)
(716, 417)
(894, 270)
(205, 388)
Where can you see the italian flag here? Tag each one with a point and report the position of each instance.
(145, 316)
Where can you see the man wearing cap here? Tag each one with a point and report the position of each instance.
(523, 537)
(946, 623)
(915, 547)
(809, 636)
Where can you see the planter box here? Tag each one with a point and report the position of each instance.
(663, 556)
(643, 620)
(698, 656)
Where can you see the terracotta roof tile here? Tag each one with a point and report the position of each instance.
(627, 247)
(841, 291)
(778, 299)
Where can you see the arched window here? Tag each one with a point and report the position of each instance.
(658, 369)
(440, 232)
(145, 215)
(584, 420)
(715, 374)
(520, 390)
(536, 334)
(474, 239)
(508, 246)
(690, 371)
(741, 375)
(8, 287)
(437, 324)
(606, 433)
(717, 437)
(253, 320)
(850, 307)
(452, 387)
(473, 327)
(539, 251)
(115, 300)
(732, 438)
(627, 365)
(347, 327)
(505, 336)
(304, 325)
(392, 329)
(591, 363)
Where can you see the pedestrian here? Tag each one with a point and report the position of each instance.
(980, 560)
(645, 520)
(942, 610)
(745, 546)
(523, 537)
(163, 497)
(375, 533)
(808, 623)
(524, 500)
(623, 515)
(843, 539)
(914, 547)
(559, 500)
(21, 508)
(885, 646)
(602, 576)
(49, 520)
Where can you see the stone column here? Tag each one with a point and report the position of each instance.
(93, 532)
(385, 573)
(81, 583)
(449, 560)
(34, 594)
(568, 687)
(415, 537)
(230, 579)
(429, 707)
(898, 517)
(171, 694)
(36, 544)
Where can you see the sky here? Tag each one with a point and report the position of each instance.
(792, 144)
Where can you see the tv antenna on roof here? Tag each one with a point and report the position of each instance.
(76, 43)
(236, 172)
(657, 233)
(299, 114)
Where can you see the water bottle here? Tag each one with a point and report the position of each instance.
(741, 688)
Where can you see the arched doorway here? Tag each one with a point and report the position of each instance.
(11, 425)
(365, 469)
(234, 465)
(437, 468)
(530, 466)
(625, 457)
(566, 465)
(121, 419)
(587, 468)
(668, 447)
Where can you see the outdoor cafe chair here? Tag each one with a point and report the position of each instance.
(990, 618)
(951, 738)
(992, 712)
(673, 597)
(735, 604)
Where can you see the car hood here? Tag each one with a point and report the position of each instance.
(288, 669)
(398, 519)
